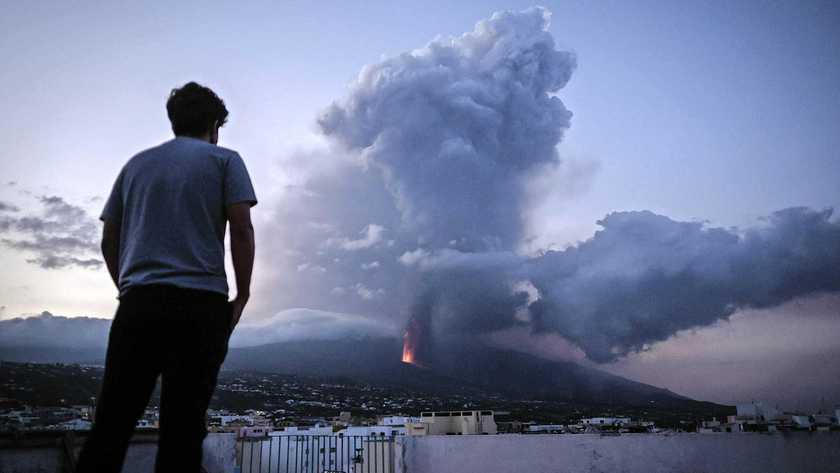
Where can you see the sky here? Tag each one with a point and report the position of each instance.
(714, 113)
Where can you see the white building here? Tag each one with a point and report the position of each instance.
(801, 421)
(75, 424)
(756, 410)
(146, 424)
(378, 430)
(224, 420)
(297, 430)
(454, 423)
(606, 421)
(23, 416)
(400, 420)
(545, 429)
(257, 431)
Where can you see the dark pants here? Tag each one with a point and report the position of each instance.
(180, 335)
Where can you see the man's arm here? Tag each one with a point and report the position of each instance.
(111, 249)
(242, 250)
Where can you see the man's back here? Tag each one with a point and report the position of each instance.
(171, 202)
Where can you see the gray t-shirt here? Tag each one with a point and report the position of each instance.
(171, 200)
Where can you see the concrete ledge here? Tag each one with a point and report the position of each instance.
(32, 452)
(633, 453)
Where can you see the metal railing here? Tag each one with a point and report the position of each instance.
(316, 454)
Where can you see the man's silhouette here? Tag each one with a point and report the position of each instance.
(163, 243)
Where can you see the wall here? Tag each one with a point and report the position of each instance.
(640, 453)
(633, 453)
(41, 453)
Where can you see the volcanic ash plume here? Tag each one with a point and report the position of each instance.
(458, 129)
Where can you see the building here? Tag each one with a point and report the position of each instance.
(74, 425)
(606, 421)
(373, 430)
(399, 420)
(223, 420)
(252, 432)
(146, 424)
(710, 426)
(454, 423)
(801, 421)
(545, 429)
(298, 430)
(757, 411)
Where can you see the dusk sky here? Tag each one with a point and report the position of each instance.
(709, 115)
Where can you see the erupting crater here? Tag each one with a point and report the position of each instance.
(411, 343)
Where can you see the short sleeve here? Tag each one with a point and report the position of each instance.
(113, 210)
(238, 187)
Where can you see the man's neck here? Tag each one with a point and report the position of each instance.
(204, 137)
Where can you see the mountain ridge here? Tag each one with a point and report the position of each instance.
(377, 360)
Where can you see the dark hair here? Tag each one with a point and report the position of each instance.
(193, 109)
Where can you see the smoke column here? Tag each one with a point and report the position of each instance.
(456, 128)
(459, 128)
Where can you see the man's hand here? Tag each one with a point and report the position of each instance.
(111, 249)
(238, 306)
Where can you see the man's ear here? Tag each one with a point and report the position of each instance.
(214, 133)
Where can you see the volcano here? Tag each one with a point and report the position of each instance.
(445, 368)
(469, 365)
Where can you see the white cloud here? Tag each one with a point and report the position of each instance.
(370, 236)
(367, 293)
(371, 265)
(311, 267)
(308, 324)
(410, 258)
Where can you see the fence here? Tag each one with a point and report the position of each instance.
(316, 454)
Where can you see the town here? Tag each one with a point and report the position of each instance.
(63, 397)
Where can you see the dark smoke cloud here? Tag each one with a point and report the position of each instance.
(7, 207)
(644, 277)
(640, 279)
(62, 235)
(436, 152)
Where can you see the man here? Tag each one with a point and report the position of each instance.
(163, 243)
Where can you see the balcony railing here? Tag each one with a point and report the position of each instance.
(316, 454)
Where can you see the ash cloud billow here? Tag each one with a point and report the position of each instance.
(444, 143)
(644, 276)
(456, 127)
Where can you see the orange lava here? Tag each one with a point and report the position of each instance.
(411, 343)
(408, 355)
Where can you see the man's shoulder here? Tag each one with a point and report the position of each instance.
(176, 147)
(225, 153)
(148, 153)
(201, 147)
